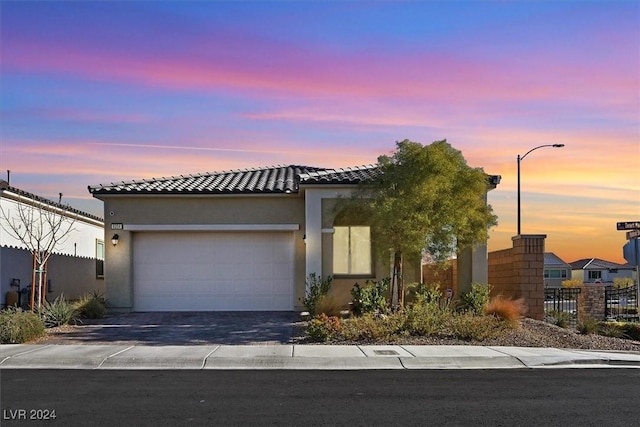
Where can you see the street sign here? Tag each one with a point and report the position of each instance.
(629, 225)
(629, 252)
(633, 234)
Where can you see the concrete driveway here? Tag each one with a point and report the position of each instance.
(184, 328)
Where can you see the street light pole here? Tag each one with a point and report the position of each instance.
(520, 159)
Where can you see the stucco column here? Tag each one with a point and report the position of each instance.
(472, 267)
(118, 275)
(313, 227)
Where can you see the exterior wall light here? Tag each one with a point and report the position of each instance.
(114, 239)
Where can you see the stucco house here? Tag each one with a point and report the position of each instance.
(555, 270)
(592, 270)
(240, 240)
(76, 266)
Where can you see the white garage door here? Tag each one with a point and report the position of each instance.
(213, 271)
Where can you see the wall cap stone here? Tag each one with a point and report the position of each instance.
(529, 236)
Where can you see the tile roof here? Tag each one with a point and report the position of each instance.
(5, 186)
(352, 175)
(265, 180)
(596, 264)
(274, 179)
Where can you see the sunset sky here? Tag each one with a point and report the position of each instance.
(96, 92)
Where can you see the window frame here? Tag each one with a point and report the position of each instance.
(349, 273)
(99, 259)
(594, 275)
(550, 273)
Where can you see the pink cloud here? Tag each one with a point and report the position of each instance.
(288, 69)
(67, 114)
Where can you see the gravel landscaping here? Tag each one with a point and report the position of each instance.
(531, 333)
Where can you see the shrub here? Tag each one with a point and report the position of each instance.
(328, 305)
(18, 326)
(589, 326)
(471, 327)
(559, 318)
(370, 298)
(426, 319)
(476, 299)
(611, 329)
(93, 306)
(57, 313)
(323, 327)
(422, 293)
(628, 330)
(623, 282)
(317, 289)
(571, 283)
(632, 331)
(373, 327)
(506, 309)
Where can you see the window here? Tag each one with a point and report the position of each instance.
(555, 273)
(99, 259)
(352, 250)
(595, 274)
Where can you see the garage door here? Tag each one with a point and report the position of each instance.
(213, 271)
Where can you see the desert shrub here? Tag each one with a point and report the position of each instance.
(92, 306)
(623, 282)
(627, 330)
(318, 288)
(370, 298)
(427, 294)
(559, 318)
(471, 327)
(57, 313)
(328, 305)
(18, 326)
(506, 309)
(426, 319)
(632, 331)
(476, 299)
(611, 329)
(373, 327)
(589, 326)
(323, 327)
(571, 283)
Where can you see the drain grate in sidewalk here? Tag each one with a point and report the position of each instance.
(386, 353)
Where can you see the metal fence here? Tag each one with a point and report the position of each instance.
(622, 303)
(561, 306)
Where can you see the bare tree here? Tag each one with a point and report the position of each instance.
(42, 227)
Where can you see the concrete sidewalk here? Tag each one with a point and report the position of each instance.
(290, 356)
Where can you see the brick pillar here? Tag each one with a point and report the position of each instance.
(528, 271)
(591, 301)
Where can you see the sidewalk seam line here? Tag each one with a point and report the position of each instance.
(114, 354)
(204, 361)
(24, 352)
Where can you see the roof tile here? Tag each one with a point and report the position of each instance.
(275, 179)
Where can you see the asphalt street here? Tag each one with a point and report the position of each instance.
(563, 397)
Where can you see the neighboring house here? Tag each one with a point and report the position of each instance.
(239, 240)
(555, 271)
(75, 268)
(592, 270)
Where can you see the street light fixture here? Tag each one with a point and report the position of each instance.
(519, 159)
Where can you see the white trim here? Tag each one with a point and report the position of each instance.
(327, 231)
(50, 206)
(211, 227)
(313, 224)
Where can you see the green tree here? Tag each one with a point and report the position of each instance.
(424, 197)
